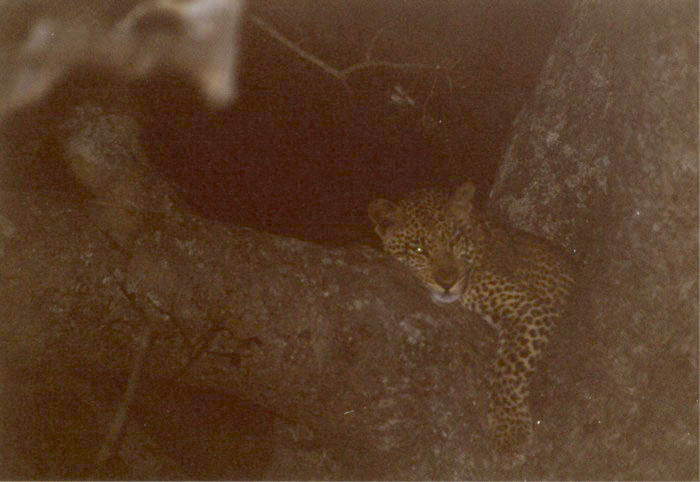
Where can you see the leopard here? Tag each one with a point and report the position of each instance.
(517, 282)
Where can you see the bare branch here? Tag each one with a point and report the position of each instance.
(260, 23)
(338, 74)
(111, 441)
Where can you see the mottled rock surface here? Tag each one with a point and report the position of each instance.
(605, 159)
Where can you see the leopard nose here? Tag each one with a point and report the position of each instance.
(446, 277)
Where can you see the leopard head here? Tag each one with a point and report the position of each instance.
(425, 232)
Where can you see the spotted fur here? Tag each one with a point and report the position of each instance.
(517, 282)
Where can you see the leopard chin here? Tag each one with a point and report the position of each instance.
(444, 298)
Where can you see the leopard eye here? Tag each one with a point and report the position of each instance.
(416, 248)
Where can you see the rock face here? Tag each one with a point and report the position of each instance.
(605, 159)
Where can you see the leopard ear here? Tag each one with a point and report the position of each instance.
(384, 214)
(461, 201)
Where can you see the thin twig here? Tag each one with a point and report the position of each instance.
(372, 43)
(338, 74)
(294, 47)
(117, 427)
(383, 63)
(111, 442)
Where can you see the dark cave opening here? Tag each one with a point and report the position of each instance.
(299, 154)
